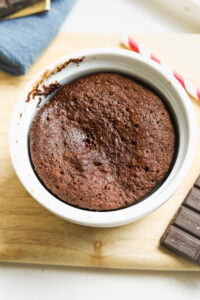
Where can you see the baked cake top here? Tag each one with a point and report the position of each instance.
(103, 142)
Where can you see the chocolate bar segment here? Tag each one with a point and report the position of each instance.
(183, 233)
(8, 7)
(197, 183)
(193, 199)
(188, 220)
(3, 6)
(181, 242)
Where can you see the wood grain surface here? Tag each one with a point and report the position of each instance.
(31, 234)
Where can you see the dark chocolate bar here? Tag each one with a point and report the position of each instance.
(183, 233)
(7, 7)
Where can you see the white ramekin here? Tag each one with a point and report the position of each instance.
(104, 59)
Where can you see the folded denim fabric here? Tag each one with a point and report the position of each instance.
(23, 39)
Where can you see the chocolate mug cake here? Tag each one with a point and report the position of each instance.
(103, 142)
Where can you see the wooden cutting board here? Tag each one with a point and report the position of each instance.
(31, 234)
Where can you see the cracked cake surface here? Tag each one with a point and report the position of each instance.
(103, 142)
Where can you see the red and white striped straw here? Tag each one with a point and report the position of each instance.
(190, 88)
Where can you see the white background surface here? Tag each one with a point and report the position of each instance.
(44, 282)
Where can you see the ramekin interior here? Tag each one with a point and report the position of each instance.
(96, 60)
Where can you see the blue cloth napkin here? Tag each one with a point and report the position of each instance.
(23, 39)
